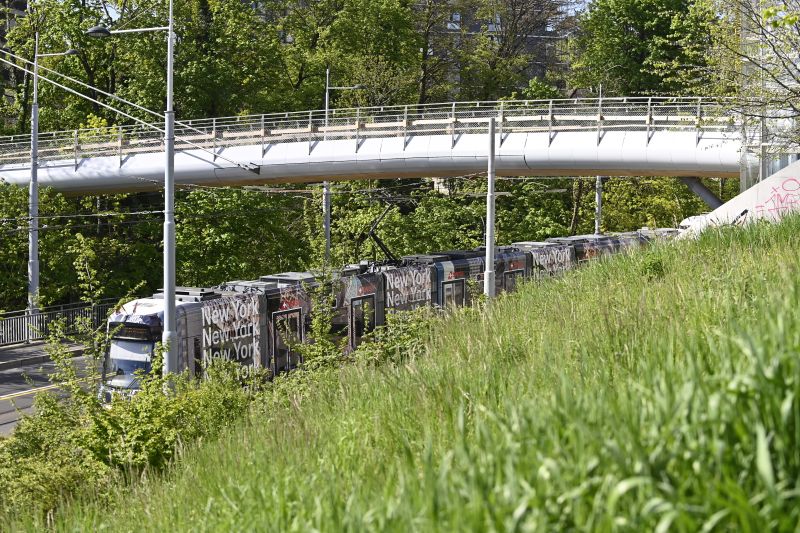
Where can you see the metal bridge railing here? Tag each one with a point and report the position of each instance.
(357, 124)
(18, 326)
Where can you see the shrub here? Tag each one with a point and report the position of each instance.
(74, 444)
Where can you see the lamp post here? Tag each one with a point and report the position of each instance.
(326, 186)
(33, 191)
(489, 274)
(168, 336)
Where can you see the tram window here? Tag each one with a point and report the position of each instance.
(198, 358)
(287, 331)
(453, 292)
(510, 279)
(183, 354)
(362, 318)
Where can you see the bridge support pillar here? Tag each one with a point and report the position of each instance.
(703, 192)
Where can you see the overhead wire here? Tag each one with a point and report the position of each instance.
(126, 23)
(115, 110)
(82, 215)
(179, 217)
(245, 188)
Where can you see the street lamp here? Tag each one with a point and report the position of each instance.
(326, 186)
(33, 191)
(168, 337)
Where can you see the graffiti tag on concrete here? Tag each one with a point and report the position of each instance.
(784, 197)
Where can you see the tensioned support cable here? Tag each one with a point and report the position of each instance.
(101, 91)
(120, 112)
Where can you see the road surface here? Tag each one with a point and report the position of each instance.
(18, 386)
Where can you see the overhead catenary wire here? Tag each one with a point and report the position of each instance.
(245, 188)
(130, 222)
(249, 189)
(179, 216)
(127, 22)
(84, 215)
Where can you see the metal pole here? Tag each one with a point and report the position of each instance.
(326, 186)
(33, 197)
(326, 217)
(488, 276)
(598, 207)
(169, 336)
(327, 100)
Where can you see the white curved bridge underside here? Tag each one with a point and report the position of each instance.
(569, 153)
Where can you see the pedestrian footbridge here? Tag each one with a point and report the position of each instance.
(690, 137)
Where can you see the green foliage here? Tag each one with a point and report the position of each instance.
(424, 219)
(779, 16)
(540, 90)
(652, 267)
(85, 257)
(322, 348)
(653, 202)
(73, 445)
(237, 57)
(488, 73)
(402, 337)
(146, 430)
(629, 46)
(229, 234)
(117, 251)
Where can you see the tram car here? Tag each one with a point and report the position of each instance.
(258, 323)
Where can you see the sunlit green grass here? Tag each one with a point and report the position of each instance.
(654, 391)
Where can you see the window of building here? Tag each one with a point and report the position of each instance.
(495, 26)
(454, 22)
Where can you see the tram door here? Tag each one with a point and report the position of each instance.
(362, 318)
(510, 280)
(453, 293)
(287, 331)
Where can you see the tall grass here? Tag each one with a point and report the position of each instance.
(654, 391)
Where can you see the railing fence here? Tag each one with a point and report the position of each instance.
(20, 326)
(404, 121)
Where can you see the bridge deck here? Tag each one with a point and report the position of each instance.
(620, 136)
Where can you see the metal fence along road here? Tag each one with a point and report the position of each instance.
(18, 326)
(601, 115)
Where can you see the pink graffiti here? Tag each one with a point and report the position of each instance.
(784, 198)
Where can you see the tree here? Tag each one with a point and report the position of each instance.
(439, 38)
(118, 250)
(513, 45)
(753, 52)
(60, 25)
(635, 47)
(225, 234)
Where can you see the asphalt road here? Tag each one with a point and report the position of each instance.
(18, 386)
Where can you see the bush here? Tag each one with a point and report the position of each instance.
(403, 336)
(74, 444)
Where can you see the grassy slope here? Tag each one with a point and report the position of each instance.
(659, 389)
